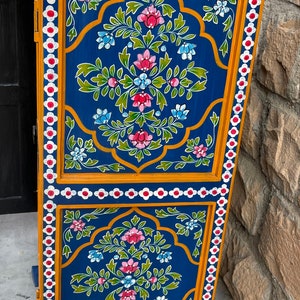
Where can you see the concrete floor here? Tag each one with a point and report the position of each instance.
(18, 253)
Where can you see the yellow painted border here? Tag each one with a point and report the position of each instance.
(211, 207)
(107, 178)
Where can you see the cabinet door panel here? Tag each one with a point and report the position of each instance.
(141, 112)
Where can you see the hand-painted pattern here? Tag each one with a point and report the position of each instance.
(222, 10)
(147, 79)
(131, 273)
(74, 7)
(193, 224)
(200, 152)
(79, 150)
(217, 192)
(79, 226)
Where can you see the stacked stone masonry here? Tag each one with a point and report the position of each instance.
(261, 255)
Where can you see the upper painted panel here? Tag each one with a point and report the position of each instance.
(149, 88)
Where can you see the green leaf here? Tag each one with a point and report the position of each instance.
(143, 293)
(155, 145)
(164, 165)
(227, 23)
(120, 15)
(198, 86)
(164, 62)
(71, 141)
(86, 68)
(116, 167)
(155, 46)
(158, 82)
(209, 140)
(78, 277)
(85, 86)
(179, 22)
(150, 115)
(169, 26)
(133, 6)
(208, 16)
(199, 72)
(148, 38)
(66, 251)
(91, 162)
(180, 165)
(214, 119)
(70, 122)
(224, 48)
(167, 135)
(74, 6)
(123, 145)
(167, 10)
(207, 8)
(122, 102)
(126, 81)
(137, 43)
(160, 100)
(132, 116)
(124, 57)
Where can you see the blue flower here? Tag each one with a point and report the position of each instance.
(142, 81)
(95, 255)
(105, 40)
(187, 51)
(180, 112)
(128, 281)
(78, 154)
(102, 116)
(192, 224)
(221, 8)
(164, 256)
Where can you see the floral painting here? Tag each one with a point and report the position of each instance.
(134, 258)
(140, 93)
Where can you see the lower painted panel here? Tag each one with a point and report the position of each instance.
(119, 253)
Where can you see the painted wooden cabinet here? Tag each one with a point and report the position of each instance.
(140, 111)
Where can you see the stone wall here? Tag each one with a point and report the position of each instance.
(261, 256)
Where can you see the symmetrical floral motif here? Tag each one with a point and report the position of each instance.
(79, 149)
(130, 274)
(147, 78)
(199, 150)
(191, 223)
(80, 229)
(219, 10)
(75, 6)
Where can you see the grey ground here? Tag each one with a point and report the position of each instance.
(18, 253)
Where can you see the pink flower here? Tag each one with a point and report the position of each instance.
(133, 236)
(142, 100)
(145, 61)
(77, 225)
(101, 280)
(141, 139)
(129, 267)
(112, 82)
(127, 295)
(153, 279)
(174, 82)
(200, 151)
(151, 17)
